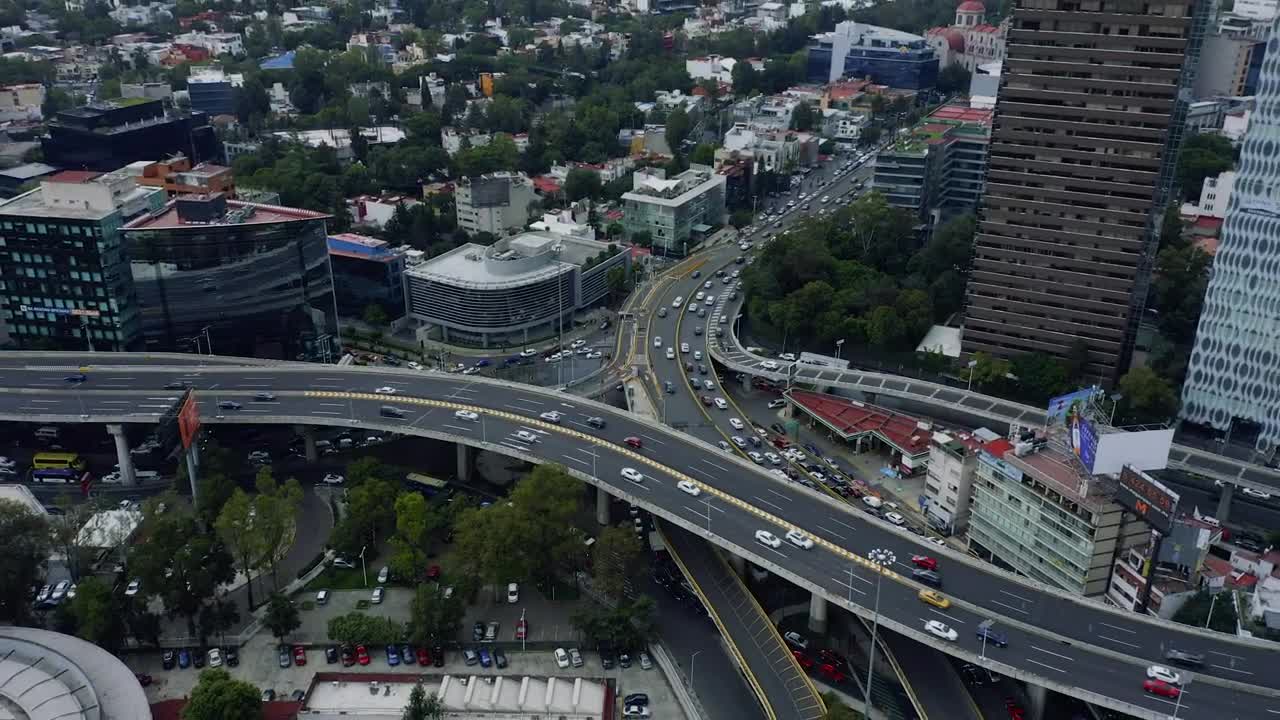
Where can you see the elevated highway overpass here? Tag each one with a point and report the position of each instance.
(1066, 643)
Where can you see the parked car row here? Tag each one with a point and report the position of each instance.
(184, 658)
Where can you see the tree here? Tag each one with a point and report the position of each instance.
(988, 369)
(740, 218)
(24, 549)
(180, 564)
(217, 618)
(617, 281)
(423, 706)
(1040, 376)
(837, 710)
(276, 508)
(370, 507)
(435, 619)
(374, 315)
(282, 616)
(236, 527)
(98, 616)
(677, 128)
(953, 78)
(1196, 611)
(1147, 398)
(580, 184)
(804, 118)
(703, 154)
(626, 626)
(1202, 156)
(615, 556)
(416, 523)
(1181, 281)
(218, 696)
(357, 628)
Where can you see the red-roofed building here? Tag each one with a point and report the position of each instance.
(969, 42)
(545, 185)
(275, 710)
(858, 422)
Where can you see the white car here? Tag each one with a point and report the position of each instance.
(528, 353)
(632, 474)
(377, 596)
(896, 519)
(1255, 493)
(736, 424)
(796, 640)
(707, 284)
(513, 593)
(689, 487)
(739, 441)
(938, 541)
(1160, 672)
(526, 436)
(333, 479)
(769, 365)
(413, 366)
(721, 404)
(577, 343)
(764, 537)
(383, 575)
(385, 390)
(799, 539)
(551, 416)
(775, 404)
(684, 348)
(215, 657)
(133, 588)
(7, 463)
(657, 341)
(467, 415)
(562, 659)
(699, 296)
(554, 357)
(671, 353)
(677, 302)
(756, 457)
(779, 473)
(941, 630)
(772, 458)
(697, 355)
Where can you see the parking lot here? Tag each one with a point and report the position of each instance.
(259, 666)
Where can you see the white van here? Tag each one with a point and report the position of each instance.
(872, 502)
(47, 432)
(322, 597)
(146, 475)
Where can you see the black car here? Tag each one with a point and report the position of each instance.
(76, 378)
(198, 657)
(702, 369)
(606, 658)
(348, 655)
(268, 695)
(624, 660)
(285, 657)
(231, 656)
(407, 656)
(177, 385)
(229, 405)
(298, 695)
(331, 654)
(697, 273)
(477, 632)
(263, 397)
(777, 427)
(499, 658)
(1181, 657)
(636, 699)
(168, 659)
(928, 577)
(993, 636)
(437, 656)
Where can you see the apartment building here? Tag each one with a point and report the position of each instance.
(676, 212)
(494, 203)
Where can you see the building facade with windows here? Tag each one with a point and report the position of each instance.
(883, 55)
(676, 212)
(367, 271)
(244, 278)
(953, 462)
(1091, 110)
(497, 203)
(109, 135)
(64, 269)
(519, 289)
(1034, 510)
(1232, 374)
(938, 169)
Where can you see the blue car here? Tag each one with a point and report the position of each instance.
(485, 658)
(184, 659)
(76, 378)
(484, 362)
(393, 656)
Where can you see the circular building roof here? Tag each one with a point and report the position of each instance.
(46, 675)
(974, 6)
(955, 38)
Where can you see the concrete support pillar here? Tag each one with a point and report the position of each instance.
(464, 463)
(739, 565)
(193, 472)
(1224, 503)
(1037, 699)
(127, 476)
(308, 434)
(817, 613)
(602, 506)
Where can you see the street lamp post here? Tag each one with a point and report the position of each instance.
(364, 569)
(882, 559)
(692, 657)
(839, 346)
(972, 364)
(1115, 402)
(1209, 619)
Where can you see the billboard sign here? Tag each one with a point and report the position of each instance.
(76, 312)
(1145, 450)
(1147, 498)
(1084, 441)
(188, 420)
(1065, 406)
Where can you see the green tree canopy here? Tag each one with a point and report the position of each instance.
(1147, 398)
(282, 616)
(218, 696)
(357, 628)
(1203, 156)
(615, 556)
(433, 618)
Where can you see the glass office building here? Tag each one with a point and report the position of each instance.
(234, 278)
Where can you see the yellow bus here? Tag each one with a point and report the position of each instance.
(425, 484)
(57, 461)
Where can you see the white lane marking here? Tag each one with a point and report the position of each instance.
(577, 460)
(1023, 599)
(652, 439)
(335, 379)
(324, 412)
(121, 378)
(766, 502)
(781, 495)
(1037, 662)
(775, 551)
(1010, 607)
(1234, 670)
(153, 406)
(332, 404)
(1124, 630)
(458, 427)
(115, 402)
(1170, 702)
(1050, 652)
(841, 522)
(168, 399)
(253, 385)
(942, 614)
(567, 405)
(1119, 642)
(515, 446)
(830, 531)
(46, 402)
(527, 400)
(325, 386)
(842, 582)
(1216, 652)
(718, 467)
(514, 407)
(113, 385)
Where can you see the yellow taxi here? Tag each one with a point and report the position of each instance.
(935, 598)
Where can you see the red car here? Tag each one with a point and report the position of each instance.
(706, 400)
(831, 657)
(522, 629)
(424, 657)
(362, 655)
(831, 673)
(634, 442)
(433, 572)
(299, 655)
(1016, 712)
(1160, 687)
(924, 561)
(781, 443)
(805, 661)
(143, 679)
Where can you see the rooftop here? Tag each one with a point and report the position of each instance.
(853, 419)
(362, 247)
(526, 258)
(382, 696)
(1058, 469)
(236, 213)
(22, 495)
